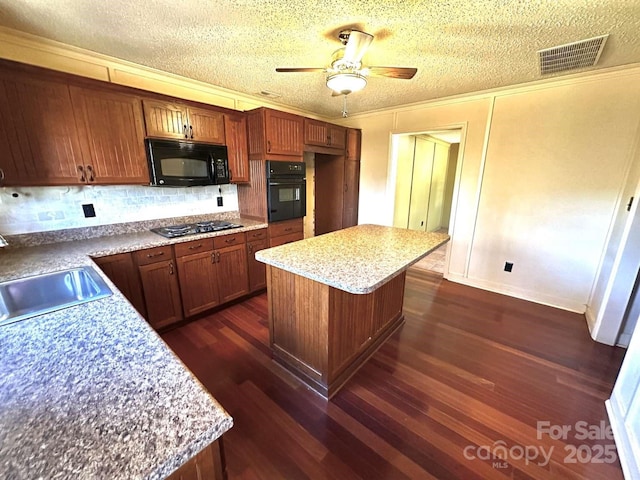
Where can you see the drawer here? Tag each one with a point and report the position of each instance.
(153, 255)
(285, 228)
(228, 240)
(282, 239)
(195, 246)
(256, 234)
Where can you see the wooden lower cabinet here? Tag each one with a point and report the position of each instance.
(159, 285)
(286, 231)
(197, 274)
(122, 271)
(231, 272)
(215, 274)
(256, 240)
(170, 283)
(208, 464)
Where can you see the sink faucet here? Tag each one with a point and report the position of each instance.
(3, 242)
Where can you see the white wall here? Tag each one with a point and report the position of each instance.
(40, 209)
(541, 176)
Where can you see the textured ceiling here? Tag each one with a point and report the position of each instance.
(458, 46)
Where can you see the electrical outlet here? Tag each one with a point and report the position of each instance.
(220, 201)
(88, 210)
(508, 266)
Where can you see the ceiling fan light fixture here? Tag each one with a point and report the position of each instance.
(346, 82)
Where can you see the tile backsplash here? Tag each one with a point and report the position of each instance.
(40, 209)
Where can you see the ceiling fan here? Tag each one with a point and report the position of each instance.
(346, 74)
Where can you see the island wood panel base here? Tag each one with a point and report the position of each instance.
(323, 334)
(208, 464)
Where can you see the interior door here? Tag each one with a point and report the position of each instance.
(421, 183)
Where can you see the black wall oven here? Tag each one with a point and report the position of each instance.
(174, 163)
(286, 190)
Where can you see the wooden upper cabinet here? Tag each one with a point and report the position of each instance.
(165, 120)
(206, 125)
(354, 138)
(39, 142)
(182, 122)
(315, 132)
(323, 134)
(235, 130)
(337, 136)
(275, 135)
(112, 136)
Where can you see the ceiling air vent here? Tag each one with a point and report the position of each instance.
(584, 53)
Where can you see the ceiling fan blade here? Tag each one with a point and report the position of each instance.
(392, 72)
(303, 69)
(356, 46)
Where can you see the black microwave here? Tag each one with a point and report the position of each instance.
(173, 163)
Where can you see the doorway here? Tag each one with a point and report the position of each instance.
(426, 166)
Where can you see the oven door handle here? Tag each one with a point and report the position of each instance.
(295, 184)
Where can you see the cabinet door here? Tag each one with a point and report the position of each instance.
(206, 126)
(283, 133)
(165, 120)
(112, 135)
(198, 283)
(315, 132)
(257, 270)
(39, 142)
(351, 193)
(122, 272)
(353, 144)
(232, 272)
(161, 293)
(235, 130)
(337, 136)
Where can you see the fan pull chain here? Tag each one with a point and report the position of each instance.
(344, 106)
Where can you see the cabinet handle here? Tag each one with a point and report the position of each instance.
(268, 145)
(151, 255)
(250, 248)
(89, 169)
(191, 131)
(288, 229)
(217, 257)
(230, 174)
(230, 240)
(1, 175)
(81, 171)
(193, 247)
(346, 187)
(213, 257)
(184, 131)
(170, 268)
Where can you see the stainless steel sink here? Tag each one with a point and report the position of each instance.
(30, 296)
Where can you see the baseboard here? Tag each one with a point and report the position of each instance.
(522, 294)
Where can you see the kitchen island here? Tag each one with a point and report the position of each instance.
(335, 298)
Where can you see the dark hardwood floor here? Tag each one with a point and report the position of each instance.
(469, 373)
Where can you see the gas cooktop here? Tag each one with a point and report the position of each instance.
(185, 229)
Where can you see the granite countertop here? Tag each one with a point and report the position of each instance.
(358, 259)
(92, 391)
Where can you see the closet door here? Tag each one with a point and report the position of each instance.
(438, 184)
(421, 184)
